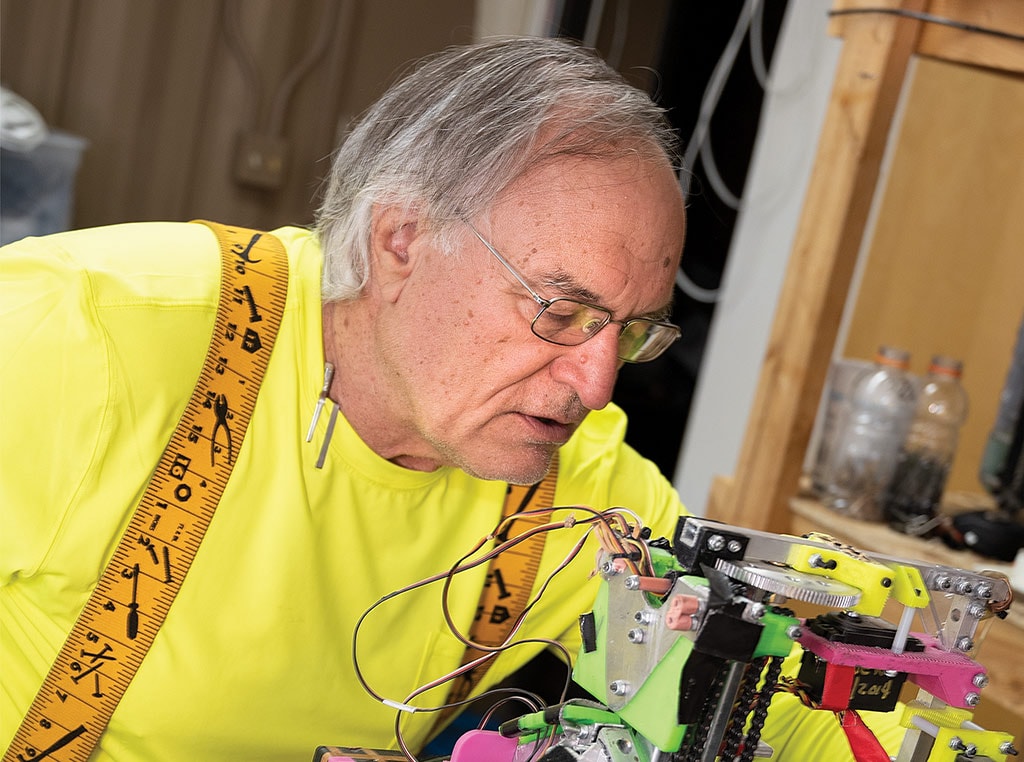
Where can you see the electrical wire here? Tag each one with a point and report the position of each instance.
(615, 534)
(713, 91)
(930, 18)
(700, 144)
(238, 48)
(279, 105)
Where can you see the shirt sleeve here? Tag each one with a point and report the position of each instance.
(53, 396)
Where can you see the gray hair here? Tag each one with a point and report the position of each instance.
(451, 136)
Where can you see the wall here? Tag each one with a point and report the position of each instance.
(800, 85)
(164, 90)
(943, 271)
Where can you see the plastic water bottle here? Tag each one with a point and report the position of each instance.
(914, 495)
(869, 435)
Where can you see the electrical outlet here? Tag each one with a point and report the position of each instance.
(261, 161)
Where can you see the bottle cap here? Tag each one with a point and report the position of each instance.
(946, 366)
(894, 356)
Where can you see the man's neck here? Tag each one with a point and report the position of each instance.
(358, 389)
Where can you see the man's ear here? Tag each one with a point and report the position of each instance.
(393, 231)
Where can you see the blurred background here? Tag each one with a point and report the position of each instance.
(229, 110)
(839, 198)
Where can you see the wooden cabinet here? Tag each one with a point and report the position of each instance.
(912, 233)
(912, 227)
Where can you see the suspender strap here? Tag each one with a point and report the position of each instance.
(510, 578)
(120, 620)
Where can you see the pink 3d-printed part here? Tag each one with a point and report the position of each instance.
(945, 674)
(479, 745)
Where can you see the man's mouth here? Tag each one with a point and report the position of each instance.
(551, 429)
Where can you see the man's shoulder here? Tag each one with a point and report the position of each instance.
(149, 262)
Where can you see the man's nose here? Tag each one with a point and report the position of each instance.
(591, 368)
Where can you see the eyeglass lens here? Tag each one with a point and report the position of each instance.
(568, 322)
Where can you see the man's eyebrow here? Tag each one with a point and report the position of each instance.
(566, 285)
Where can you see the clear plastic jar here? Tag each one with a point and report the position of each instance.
(914, 495)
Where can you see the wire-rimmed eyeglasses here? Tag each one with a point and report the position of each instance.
(567, 322)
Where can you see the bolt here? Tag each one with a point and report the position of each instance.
(965, 644)
(607, 567)
(942, 582)
(891, 673)
(972, 699)
(643, 617)
(984, 590)
(964, 587)
(735, 546)
(1006, 747)
(636, 635)
(632, 582)
(625, 746)
(716, 542)
(886, 582)
(976, 610)
(980, 680)
(794, 631)
(757, 610)
(619, 687)
(956, 744)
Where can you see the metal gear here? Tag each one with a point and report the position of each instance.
(791, 583)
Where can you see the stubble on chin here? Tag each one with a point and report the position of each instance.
(527, 467)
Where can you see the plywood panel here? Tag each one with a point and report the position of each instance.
(945, 269)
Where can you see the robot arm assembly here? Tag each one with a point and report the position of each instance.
(685, 657)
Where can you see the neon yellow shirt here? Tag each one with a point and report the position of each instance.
(102, 334)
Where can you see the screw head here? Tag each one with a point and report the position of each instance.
(619, 687)
(735, 546)
(716, 542)
(980, 680)
(965, 644)
(636, 635)
(972, 699)
(632, 582)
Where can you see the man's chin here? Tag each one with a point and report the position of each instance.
(527, 465)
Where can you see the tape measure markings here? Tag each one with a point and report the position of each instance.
(121, 618)
(509, 582)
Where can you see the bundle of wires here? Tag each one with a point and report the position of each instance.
(619, 532)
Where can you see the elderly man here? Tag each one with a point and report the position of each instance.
(499, 234)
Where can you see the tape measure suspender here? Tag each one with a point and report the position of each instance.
(112, 635)
(510, 578)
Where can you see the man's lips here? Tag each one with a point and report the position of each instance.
(550, 429)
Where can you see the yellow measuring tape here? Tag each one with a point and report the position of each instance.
(510, 579)
(120, 620)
